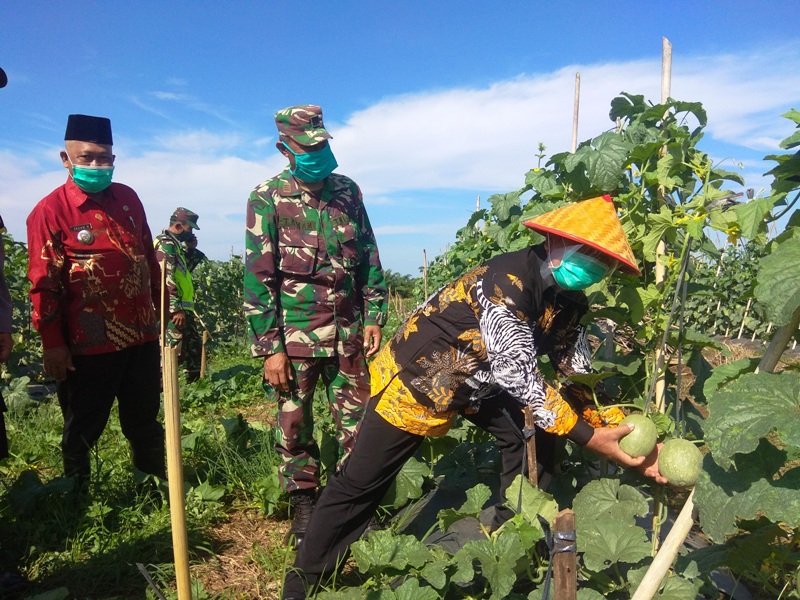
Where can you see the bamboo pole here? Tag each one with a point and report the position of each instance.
(425, 272)
(660, 371)
(575, 110)
(648, 588)
(172, 426)
(778, 344)
(177, 510)
(744, 317)
(661, 249)
(162, 309)
(565, 561)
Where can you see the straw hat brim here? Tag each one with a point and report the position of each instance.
(591, 222)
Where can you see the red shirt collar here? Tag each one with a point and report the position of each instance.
(75, 195)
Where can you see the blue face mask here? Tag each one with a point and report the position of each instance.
(313, 166)
(578, 271)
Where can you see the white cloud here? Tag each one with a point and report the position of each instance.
(412, 154)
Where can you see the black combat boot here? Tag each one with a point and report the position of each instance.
(302, 505)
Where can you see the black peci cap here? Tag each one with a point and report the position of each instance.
(83, 128)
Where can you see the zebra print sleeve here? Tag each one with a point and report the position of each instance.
(575, 355)
(512, 354)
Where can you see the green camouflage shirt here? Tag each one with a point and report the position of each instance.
(312, 271)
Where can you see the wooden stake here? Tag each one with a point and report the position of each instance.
(162, 308)
(425, 272)
(172, 426)
(575, 109)
(648, 588)
(565, 571)
(203, 355)
(778, 343)
(530, 447)
(177, 510)
(661, 248)
(744, 318)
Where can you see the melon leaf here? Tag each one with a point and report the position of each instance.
(750, 408)
(778, 287)
(747, 491)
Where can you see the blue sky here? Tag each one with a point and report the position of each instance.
(431, 103)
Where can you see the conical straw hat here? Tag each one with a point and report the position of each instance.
(593, 222)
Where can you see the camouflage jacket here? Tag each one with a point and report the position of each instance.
(179, 288)
(312, 273)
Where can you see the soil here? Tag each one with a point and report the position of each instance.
(248, 560)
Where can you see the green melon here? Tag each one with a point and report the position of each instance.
(640, 441)
(680, 462)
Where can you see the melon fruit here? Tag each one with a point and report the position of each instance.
(680, 462)
(640, 441)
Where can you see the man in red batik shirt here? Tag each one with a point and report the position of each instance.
(94, 281)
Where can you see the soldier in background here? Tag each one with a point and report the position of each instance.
(181, 327)
(94, 284)
(194, 256)
(315, 298)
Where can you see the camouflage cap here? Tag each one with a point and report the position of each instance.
(302, 123)
(184, 215)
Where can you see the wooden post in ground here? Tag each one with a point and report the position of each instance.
(162, 309)
(203, 355)
(659, 568)
(530, 446)
(565, 560)
(177, 510)
(425, 272)
(661, 248)
(575, 110)
(172, 427)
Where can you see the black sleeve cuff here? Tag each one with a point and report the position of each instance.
(581, 433)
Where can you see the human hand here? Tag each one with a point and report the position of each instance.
(372, 339)
(278, 371)
(57, 361)
(6, 343)
(178, 319)
(605, 441)
(649, 468)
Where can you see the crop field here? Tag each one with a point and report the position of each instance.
(703, 345)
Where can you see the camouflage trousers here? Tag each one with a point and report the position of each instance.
(346, 382)
(188, 342)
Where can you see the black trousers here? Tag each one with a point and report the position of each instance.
(86, 396)
(353, 494)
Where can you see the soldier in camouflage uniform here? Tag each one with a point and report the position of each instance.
(181, 330)
(315, 298)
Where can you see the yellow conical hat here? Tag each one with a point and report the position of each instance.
(593, 222)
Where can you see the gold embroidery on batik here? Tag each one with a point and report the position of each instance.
(474, 337)
(445, 372)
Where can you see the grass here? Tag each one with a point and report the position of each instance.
(88, 545)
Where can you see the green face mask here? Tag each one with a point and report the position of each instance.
(92, 179)
(578, 271)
